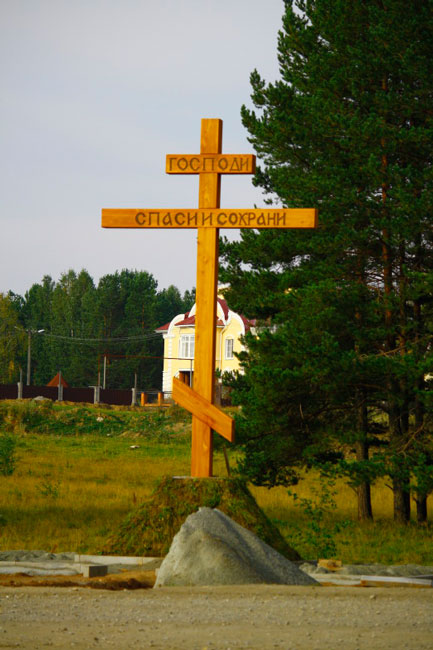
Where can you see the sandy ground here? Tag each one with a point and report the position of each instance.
(261, 616)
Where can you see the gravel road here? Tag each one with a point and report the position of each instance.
(247, 617)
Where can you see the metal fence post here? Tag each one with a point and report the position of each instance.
(96, 394)
(20, 385)
(60, 388)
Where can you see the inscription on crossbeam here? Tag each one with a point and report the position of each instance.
(222, 218)
(219, 163)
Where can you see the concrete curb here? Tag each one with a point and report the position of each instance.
(148, 562)
(87, 565)
(347, 580)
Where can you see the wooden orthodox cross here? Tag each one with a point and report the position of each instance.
(209, 164)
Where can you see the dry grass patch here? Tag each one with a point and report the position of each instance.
(70, 494)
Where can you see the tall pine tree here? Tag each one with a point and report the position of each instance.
(344, 355)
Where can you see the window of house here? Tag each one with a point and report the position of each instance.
(229, 348)
(186, 345)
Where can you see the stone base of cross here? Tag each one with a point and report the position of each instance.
(209, 164)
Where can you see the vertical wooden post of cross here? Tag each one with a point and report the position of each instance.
(206, 293)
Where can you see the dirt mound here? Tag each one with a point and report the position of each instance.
(149, 530)
(112, 582)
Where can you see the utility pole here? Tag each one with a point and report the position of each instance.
(29, 354)
(29, 351)
(104, 380)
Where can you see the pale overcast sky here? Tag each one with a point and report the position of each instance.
(95, 93)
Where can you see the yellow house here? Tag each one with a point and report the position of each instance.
(179, 336)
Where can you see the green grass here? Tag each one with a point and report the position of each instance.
(68, 419)
(340, 533)
(77, 479)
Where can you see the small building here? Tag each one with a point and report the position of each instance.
(58, 379)
(179, 339)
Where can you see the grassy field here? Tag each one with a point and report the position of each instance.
(80, 470)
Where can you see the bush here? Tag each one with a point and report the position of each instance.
(317, 535)
(8, 445)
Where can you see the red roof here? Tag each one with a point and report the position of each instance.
(163, 328)
(248, 323)
(224, 307)
(55, 381)
(190, 320)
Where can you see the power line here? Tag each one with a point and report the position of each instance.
(77, 339)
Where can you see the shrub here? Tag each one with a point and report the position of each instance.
(8, 445)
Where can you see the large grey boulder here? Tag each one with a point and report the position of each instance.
(212, 549)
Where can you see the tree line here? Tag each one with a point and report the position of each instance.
(74, 323)
(340, 376)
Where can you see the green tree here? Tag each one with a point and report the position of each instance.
(347, 128)
(35, 314)
(73, 319)
(170, 303)
(127, 314)
(12, 341)
(81, 323)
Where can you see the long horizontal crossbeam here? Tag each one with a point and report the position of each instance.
(216, 218)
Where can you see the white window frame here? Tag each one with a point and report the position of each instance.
(186, 346)
(229, 346)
